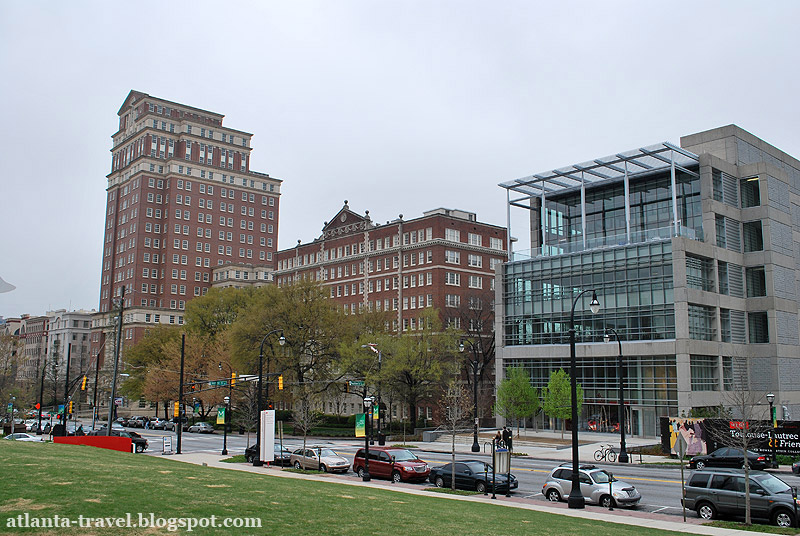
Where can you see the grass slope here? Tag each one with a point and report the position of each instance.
(48, 479)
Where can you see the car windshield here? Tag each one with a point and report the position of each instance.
(772, 484)
(478, 467)
(404, 456)
(601, 477)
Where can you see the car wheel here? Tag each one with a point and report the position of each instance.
(323, 468)
(700, 465)
(706, 511)
(480, 487)
(783, 518)
(396, 477)
(249, 458)
(553, 495)
(439, 482)
(360, 472)
(606, 501)
(297, 465)
(139, 448)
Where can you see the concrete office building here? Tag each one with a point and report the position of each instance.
(693, 251)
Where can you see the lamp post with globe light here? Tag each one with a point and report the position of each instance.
(474, 363)
(576, 499)
(623, 454)
(281, 340)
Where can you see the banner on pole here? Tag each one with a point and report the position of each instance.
(361, 419)
(267, 438)
(220, 415)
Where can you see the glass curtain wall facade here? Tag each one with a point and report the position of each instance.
(695, 257)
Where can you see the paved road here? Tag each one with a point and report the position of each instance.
(660, 486)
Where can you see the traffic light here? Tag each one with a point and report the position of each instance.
(233, 379)
(177, 410)
(269, 404)
(193, 387)
(70, 406)
(280, 382)
(83, 384)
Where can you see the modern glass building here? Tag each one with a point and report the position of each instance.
(693, 251)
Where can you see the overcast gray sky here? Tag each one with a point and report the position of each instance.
(398, 107)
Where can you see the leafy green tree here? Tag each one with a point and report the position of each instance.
(212, 314)
(516, 397)
(312, 325)
(416, 362)
(558, 398)
(149, 353)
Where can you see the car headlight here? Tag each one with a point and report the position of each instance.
(619, 495)
(408, 468)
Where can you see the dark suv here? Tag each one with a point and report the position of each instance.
(399, 465)
(715, 492)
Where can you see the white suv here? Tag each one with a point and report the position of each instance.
(597, 486)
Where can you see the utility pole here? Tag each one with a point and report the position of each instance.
(66, 386)
(116, 363)
(180, 396)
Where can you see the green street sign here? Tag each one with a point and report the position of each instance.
(218, 383)
(356, 383)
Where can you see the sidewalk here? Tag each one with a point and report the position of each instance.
(625, 517)
(547, 445)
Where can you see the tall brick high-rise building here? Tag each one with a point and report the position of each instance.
(181, 200)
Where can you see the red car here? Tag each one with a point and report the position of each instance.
(399, 465)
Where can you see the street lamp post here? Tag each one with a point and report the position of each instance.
(225, 426)
(474, 362)
(772, 423)
(623, 454)
(117, 349)
(281, 340)
(227, 409)
(576, 499)
(13, 399)
(374, 347)
(367, 416)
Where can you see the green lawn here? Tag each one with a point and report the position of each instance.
(48, 479)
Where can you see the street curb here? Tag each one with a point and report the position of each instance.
(622, 517)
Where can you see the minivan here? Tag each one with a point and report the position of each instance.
(397, 464)
(715, 492)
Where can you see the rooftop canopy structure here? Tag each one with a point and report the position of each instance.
(531, 192)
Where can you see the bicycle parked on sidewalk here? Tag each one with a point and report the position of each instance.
(605, 452)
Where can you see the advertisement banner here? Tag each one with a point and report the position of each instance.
(267, 437)
(220, 415)
(360, 425)
(703, 436)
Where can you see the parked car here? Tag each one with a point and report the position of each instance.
(138, 421)
(140, 443)
(318, 457)
(201, 428)
(101, 430)
(122, 421)
(471, 475)
(398, 464)
(176, 420)
(282, 456)
(22, 436)
(715, 492)
(594, 486)
(731, 458)
(161, 424)
(31, 424)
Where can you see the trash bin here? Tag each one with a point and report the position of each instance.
(381, 438)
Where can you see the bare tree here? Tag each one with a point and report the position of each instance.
(457, 414)
(305, 416)
(748, 428)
